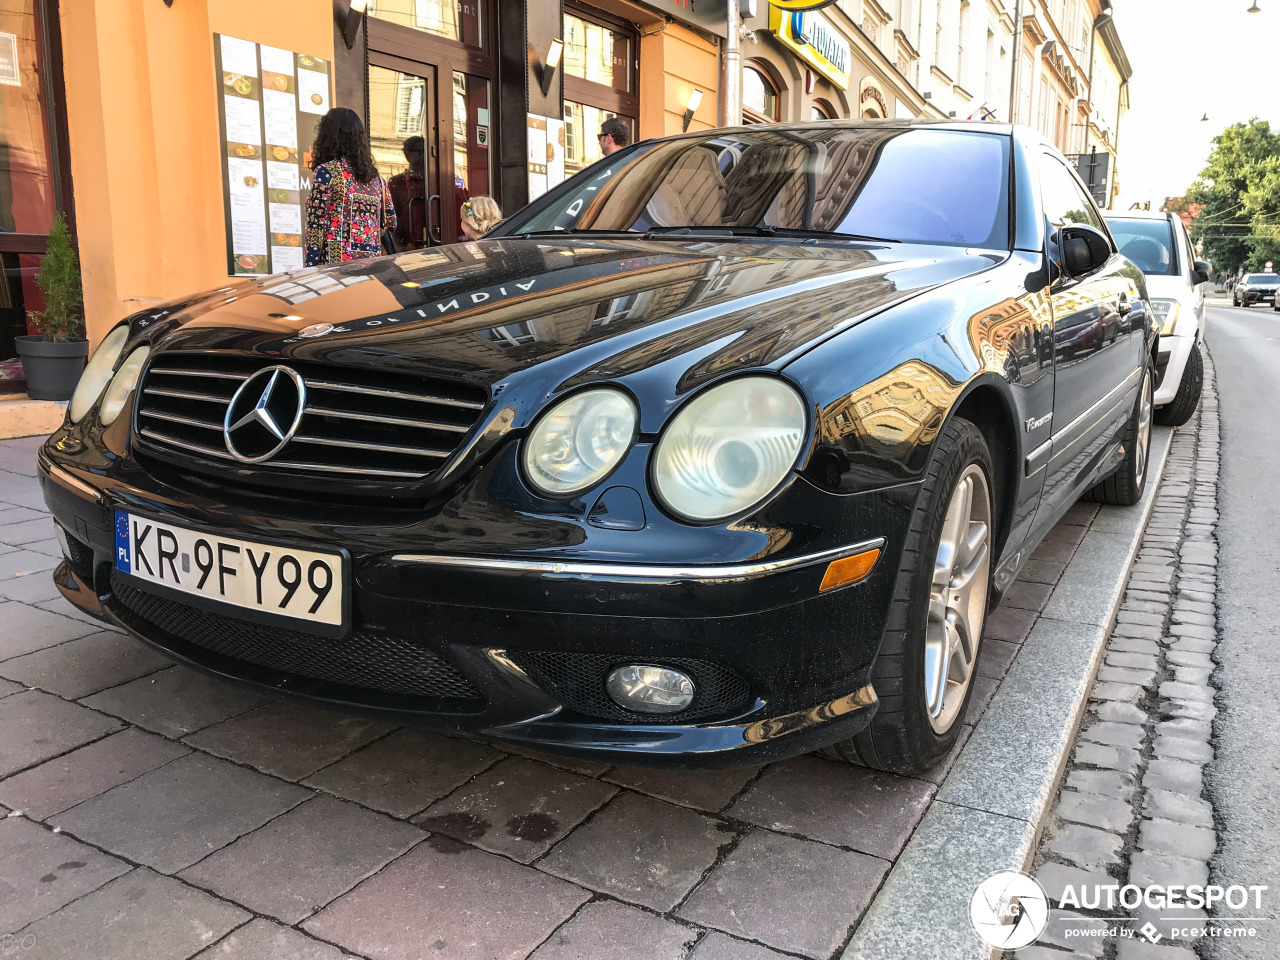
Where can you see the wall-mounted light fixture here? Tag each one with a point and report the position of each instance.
(691, 107)
(355, 16)
(546, 68)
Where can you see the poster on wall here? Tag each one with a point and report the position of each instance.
(268, 104)
(537, 159)
(546, 153)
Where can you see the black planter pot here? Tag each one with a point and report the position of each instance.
(52, 369)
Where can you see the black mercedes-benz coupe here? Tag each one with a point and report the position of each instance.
(718, 452)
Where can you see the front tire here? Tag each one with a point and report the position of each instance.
(1125, 486)
(1179, 410)
(929, 655)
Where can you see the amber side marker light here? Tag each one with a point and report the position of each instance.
(849, 570)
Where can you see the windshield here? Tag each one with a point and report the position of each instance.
(1262, 279)
(892, 183)
(1148, 243)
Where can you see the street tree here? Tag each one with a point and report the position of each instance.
(1239, 223)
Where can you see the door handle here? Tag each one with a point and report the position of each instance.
(433, 227)
(1125, 306)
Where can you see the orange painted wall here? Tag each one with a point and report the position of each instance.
(142, 115)
(672, 64)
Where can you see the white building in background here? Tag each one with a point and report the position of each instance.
(948, 59)
(956, 53)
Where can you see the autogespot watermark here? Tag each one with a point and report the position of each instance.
(1011, 910)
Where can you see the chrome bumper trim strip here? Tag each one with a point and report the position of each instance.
(639, 571)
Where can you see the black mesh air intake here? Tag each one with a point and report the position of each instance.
(365, 658)
(80, 557)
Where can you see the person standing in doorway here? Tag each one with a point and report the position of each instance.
(614, 135)
(349, 207)
(409, 195)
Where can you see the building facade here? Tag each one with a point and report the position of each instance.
(175, 138)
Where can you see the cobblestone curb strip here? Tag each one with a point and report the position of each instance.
(1132, 810)
(991, 808)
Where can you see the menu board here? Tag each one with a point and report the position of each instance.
(545, 139)
(268, 105)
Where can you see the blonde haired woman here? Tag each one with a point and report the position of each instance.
(479, 216)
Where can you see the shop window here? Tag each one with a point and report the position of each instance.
(759, 96)
(452, 19)
(597, 52)
(582, 134)
(28, 172)
(599, 82)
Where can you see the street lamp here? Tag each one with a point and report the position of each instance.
(546, 68)
(691, 107)
(1255, 8)
(1205, 118)
(351, 26)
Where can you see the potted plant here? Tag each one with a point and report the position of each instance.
(54, 359)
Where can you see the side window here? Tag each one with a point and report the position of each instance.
(1064, 199)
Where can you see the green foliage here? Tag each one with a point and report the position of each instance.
(1240, 190)
(59, 278)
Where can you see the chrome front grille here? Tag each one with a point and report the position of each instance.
(357, 422)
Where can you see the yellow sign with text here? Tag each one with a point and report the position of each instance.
(815, 40)
(802, 4)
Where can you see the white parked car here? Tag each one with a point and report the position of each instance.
(1158, 244)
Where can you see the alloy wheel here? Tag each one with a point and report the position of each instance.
(957, 599)
(1143, 439)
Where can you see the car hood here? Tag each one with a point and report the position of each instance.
(570, 308)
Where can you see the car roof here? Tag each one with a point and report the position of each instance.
(970, 126)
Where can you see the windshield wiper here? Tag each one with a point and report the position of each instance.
(762, 230)
(577, 231)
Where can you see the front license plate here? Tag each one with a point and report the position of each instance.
(303, 585)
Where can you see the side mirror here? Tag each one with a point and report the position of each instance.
(1084, 248)
(1200, 272)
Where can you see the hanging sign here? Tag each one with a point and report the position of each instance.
(9, 60)
(815, 40)
(270, 100)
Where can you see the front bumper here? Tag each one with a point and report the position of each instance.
(515, 649)
(1250, 297)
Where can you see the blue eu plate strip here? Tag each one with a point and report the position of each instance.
(122, 542)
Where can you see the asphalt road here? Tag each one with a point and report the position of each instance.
(1244, 778)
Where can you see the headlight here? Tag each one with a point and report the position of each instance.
(579, 441)
(729, 448)
(1166, 311)
(122, 385)
(97, 372)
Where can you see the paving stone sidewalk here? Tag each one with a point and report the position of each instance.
(1133, 807)
(157, 813)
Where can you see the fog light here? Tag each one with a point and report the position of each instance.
(649, 689)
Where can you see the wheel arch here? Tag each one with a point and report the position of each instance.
(987, 405)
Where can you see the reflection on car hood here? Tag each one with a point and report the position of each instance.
(587, 307)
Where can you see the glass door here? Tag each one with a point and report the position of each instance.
(403, 134)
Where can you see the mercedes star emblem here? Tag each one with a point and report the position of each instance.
(264, 414)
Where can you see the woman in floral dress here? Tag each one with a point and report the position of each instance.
(350, 206)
